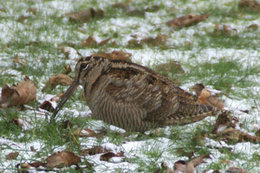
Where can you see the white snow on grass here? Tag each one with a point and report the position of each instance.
(148, 151)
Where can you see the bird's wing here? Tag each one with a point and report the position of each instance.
(140, 90)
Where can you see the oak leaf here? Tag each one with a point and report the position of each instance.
(187, 20)
(62, 159)
(18, 95)
(204, 96)
(59, 79)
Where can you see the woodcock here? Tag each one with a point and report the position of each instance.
(133, 97)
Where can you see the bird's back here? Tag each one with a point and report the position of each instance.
(135, 98)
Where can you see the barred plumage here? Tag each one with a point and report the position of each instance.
(133, 97)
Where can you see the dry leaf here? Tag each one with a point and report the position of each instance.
(159, 40)
(236, 170)
(92, 42)
(87, 133)
(115, 55)
(85, 15)
(48, 105)
(62, 159)
(94, 150)
(109, 155)
(18, 95)
(225, 29)
(187, 20)
(66, 69)
(251, 5)
(188, 167)
(231, 136)
(224, 121)
(204, 96)
(60, 79)
(12, 156)
(225, 130)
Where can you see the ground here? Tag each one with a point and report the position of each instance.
(222, 52)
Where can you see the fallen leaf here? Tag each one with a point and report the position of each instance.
(160, 41)
(224, 30)
(232, 136)
(250, 5)
(48, 104)
(109, 155)
(94, 150)
(12, 156)
(18, 95)
(115, 55)
(60, 79)
(204, 96)
(86, 133)
(188, 167)
(85, 15)
(224, 121)
(62, 159)
(236, 170)
(187, 20)
(92, 42)
(66, 69)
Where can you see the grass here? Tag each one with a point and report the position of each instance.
(37, 40)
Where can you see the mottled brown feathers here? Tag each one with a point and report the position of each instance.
(134, 97)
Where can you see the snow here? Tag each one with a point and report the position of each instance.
(126, 29)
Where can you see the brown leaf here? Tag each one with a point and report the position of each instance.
(62, 159)
(60, 79)
(224, 30)
(85, 15)
(187, 20)
(66, 69)
(12, 156)
(18, 95)
(231, 136)
(109, 155)
(115, 55)
(236, 170)
(224, 121)
(90, 41)
(87, 133)
(94, 150)
(251, 5)
(188, 167)
(47, 105)
(159, 40)
(204, 96)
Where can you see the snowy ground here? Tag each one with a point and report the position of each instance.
(43, 28)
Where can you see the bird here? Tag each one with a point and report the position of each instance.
(133, 97)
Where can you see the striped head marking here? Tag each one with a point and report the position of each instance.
(82, 68)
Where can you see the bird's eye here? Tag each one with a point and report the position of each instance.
(83, 66)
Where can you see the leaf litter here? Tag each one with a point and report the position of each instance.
(135, 55)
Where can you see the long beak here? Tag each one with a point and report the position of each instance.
(64, 98)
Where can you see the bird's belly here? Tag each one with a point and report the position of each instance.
(121, 115)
